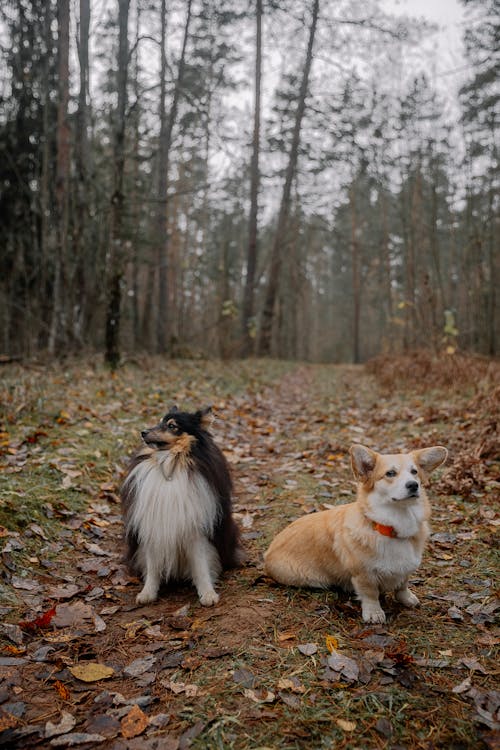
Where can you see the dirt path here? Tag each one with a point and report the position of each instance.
(251, 672)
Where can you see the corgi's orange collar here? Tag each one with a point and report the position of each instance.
(384, 530)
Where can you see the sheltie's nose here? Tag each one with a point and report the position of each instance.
(144, 434)
(412, 487)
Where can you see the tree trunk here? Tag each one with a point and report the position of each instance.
(356, 278)
(45, 203)
(280, 236)
(116, 255)
(82, 158)
(136, 199)
(62, 174)
(249, 291)
(165, 143)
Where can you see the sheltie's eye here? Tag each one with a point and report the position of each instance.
(172, 426)
(391, 473)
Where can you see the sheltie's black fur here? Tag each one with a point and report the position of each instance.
(176, 498)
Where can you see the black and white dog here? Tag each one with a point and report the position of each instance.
(176, 504)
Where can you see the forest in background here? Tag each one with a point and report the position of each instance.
(216, 177)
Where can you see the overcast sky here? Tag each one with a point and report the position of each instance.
(449, 16)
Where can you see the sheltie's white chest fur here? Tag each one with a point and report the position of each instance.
(174, 510)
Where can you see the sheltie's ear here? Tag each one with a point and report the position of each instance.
(205, 417)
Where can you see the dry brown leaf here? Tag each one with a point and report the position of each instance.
(134, 723)
(181, 687)
(91, 671)
(308, 649)
(62, 690)
(332, 643)
(65, 725)
(347, 726)
(260, 696)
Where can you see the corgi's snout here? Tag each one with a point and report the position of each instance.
(412, 487)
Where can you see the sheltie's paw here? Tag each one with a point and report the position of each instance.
(209, 598)
(145, 597)
(406, 597)
(373, 613)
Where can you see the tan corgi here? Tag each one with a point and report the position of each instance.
(371, 545)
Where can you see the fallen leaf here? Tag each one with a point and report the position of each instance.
(40, 622)
(189, 735)
(473, 665)
(244, 677)
(332, 643)
(94, 549)
(91, 671)
(62, 690)
(455, 614)
(12, 632)
(36, 529)
(290, 700)
(139, 666)
(25, 584)
(286, 636)
(384, 727)
(76, 738)
(463, 686)
(347, 726)
(63, 592)
(12, 661)
(103, 724)
(16, 650)
(66, 724)
(7, 720)
(344, 665)
(308, 649)
(180, 687)
(72, 614)
(291, 683)
(134, 723)
(259, 696)
(179, 623)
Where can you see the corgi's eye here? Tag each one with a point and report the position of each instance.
(391, 473)
(414, 472)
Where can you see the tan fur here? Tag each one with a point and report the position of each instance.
(341, 546)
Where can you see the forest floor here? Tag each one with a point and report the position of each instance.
(82, 665)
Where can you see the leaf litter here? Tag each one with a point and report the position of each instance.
(265, 654)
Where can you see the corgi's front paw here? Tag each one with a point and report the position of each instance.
(145, 597)
(372, 612)
(406, 597)
(209, 598)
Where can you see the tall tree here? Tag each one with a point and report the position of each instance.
(116, 251)
(165, 144)
(62, 174)
(280, 238)
(248, 325)
(480, 99)
(81, 235)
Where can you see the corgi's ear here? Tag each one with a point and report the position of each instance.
(363, 461)
(205, 417)
(430, 458)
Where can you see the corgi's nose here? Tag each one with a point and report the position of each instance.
(412, 486)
